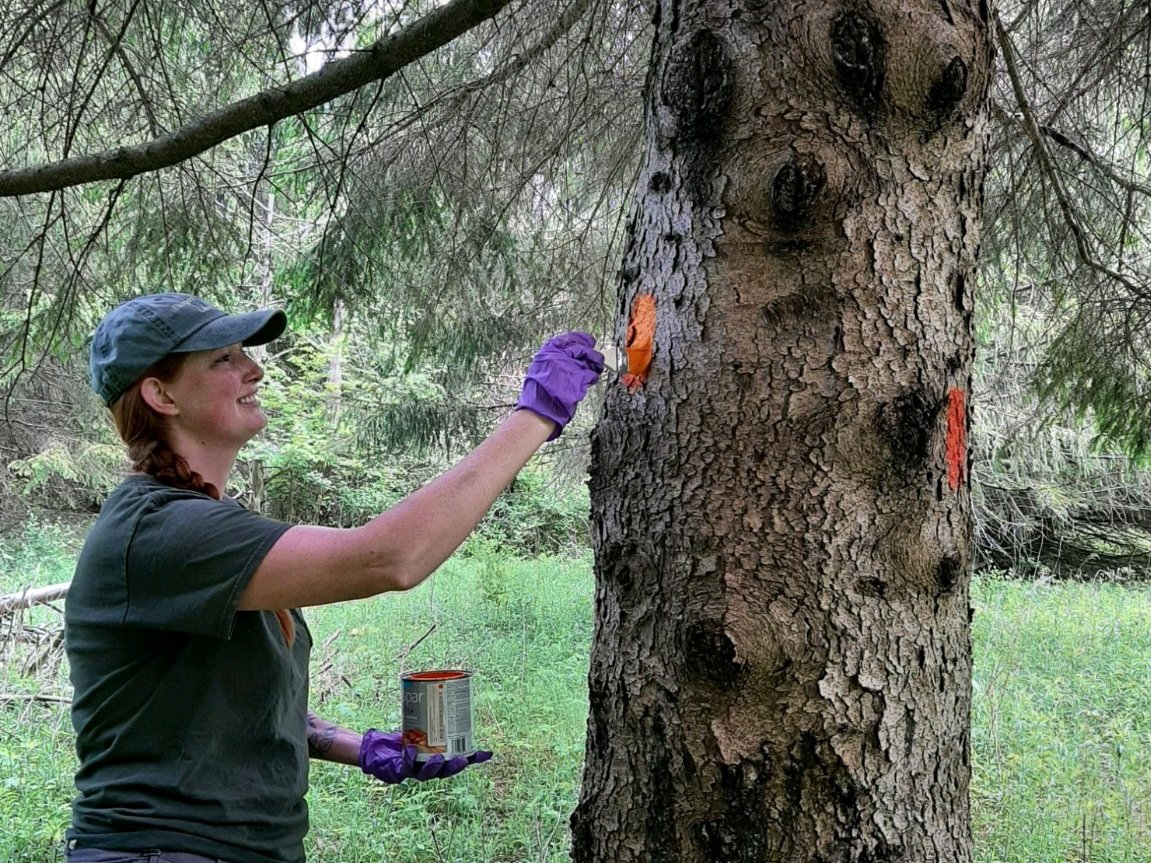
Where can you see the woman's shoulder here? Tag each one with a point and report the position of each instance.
(145, 516)
(141, 498)
(141, 489)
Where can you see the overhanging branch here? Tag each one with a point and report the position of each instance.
(1047, 166)
(374, 63)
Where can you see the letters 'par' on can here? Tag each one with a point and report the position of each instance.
(437, 712)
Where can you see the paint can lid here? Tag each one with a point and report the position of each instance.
(436, 674)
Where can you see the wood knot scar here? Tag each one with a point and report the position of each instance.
(947, 92)
(794, 192)
(859, 53)
(698, 87)
(710, 653)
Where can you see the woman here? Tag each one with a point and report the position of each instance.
(188, 654)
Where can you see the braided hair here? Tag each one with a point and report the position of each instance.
(143, 432)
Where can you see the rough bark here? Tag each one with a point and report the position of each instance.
(781, 665)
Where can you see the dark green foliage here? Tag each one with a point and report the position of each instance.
(1068, 207)
(1111, 387)
(1052, 496)
(423, 426)
(444, 283)
(539, 514)
(457, 214)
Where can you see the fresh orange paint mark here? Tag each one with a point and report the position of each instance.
(956, 438)
(640, 336)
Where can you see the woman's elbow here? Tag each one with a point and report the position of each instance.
(395, 565)
(399, 571)
(403, 578)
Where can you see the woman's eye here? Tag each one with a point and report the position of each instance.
(231, 356)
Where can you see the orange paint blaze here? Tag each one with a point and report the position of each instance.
(956, 438)
(640, 338)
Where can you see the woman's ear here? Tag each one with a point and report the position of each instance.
(156, 396)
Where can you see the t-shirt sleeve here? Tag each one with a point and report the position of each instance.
(189, 561)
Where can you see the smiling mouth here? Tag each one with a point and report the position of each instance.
(253, 399)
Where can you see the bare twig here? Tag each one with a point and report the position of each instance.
(1087, 155)
(52, 650)
(10, 697)
(406, 652)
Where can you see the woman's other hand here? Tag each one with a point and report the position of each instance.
(384, 756)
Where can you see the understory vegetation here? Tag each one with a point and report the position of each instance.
(1061, 728)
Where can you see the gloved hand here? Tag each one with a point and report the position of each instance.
(384, 756)
(559, 377)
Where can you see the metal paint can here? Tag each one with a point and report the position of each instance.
(437, 712)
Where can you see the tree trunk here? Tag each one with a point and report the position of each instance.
(781, 668)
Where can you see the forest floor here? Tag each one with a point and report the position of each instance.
(1061, 732)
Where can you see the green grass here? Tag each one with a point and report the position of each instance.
(524, 628)
(1061, 736)
(1062, 723)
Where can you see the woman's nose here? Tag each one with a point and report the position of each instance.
(256, 372)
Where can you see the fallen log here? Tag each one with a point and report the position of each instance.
(10, 697)
(32, 596)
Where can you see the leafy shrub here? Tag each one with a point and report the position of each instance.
(69, 475)
(540, 513)
(41, 552)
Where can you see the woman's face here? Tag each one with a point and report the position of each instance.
(214, 393)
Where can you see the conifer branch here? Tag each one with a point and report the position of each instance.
(374, 63)
(116, 45)
(1047, 166)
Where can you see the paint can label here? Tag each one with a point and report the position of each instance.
(437, 712)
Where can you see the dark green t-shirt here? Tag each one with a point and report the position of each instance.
(189, 715)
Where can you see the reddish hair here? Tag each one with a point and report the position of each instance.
(144, 432)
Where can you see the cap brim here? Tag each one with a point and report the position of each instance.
(248, 328)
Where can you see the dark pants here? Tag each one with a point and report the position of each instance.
(95, 855)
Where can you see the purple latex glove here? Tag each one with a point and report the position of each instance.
(559, 377)
(383, 756)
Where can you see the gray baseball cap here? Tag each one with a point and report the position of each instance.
(142, 331)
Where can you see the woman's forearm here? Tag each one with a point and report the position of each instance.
(429, 524)
(330, 742)
(398, 549)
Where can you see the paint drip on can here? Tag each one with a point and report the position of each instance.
(437, 712)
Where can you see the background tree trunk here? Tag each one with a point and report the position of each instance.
(781, 668)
